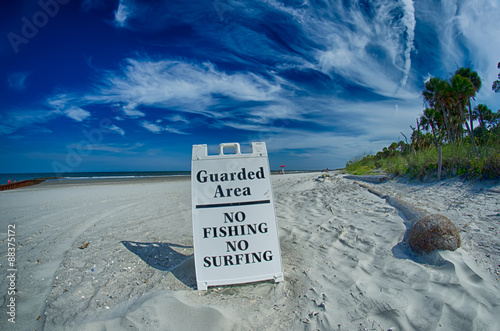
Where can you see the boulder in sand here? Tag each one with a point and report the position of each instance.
(434, 232)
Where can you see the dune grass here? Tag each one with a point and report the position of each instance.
(458, 159)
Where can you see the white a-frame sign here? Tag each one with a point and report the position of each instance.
(234, 224)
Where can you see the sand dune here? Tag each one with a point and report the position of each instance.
(346, 263)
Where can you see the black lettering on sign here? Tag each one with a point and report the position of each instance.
(234, 230)
(239, 216)
(237, 259)
(203, 176)
(242, 245)
(220, 193)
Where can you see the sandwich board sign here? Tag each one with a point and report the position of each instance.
(235, 234)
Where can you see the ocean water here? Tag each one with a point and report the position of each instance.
(93, 175)
(4, 178)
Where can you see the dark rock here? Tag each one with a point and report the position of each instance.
(434, 232)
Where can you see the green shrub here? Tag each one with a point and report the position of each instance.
(458, 159)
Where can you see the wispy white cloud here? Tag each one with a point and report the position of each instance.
(472, 33)
(51, 109)
(130, 111)
(116, 129)
(367, 43)
(69, 105)
(177, 118)
(157, 128)
(190, 88)
(112, 148)
(14, 119)
(122, 13)
(462, 33)
(410, 23)
(248, 126)
(184, 86)
(243, 101)
(33, 130)
(58, 101)
(76, 113)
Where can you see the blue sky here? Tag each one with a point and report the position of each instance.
(132, 85)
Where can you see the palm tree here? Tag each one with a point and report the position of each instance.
(437, 96)
(463, 90)
(483, 114)
(496, 84)
(495, 119)
(431, 119)
(476, 82)
(434, 119)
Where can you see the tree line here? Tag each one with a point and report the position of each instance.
(448, 120)
(449, 115)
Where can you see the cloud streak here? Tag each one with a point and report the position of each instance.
(180, 84)
(122, 13)
(76, 113)
(11, 121)
(111, 148)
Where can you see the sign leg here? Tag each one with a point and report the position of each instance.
(202, 286)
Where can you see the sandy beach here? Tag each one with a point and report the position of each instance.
(118, 254)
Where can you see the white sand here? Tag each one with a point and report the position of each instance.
(345, 265)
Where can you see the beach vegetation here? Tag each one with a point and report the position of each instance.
(444, 143)
(496, 84)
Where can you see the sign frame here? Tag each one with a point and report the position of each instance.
(235, 233)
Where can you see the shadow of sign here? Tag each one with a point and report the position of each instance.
(164, 257)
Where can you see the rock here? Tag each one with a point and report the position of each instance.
(434, 232)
